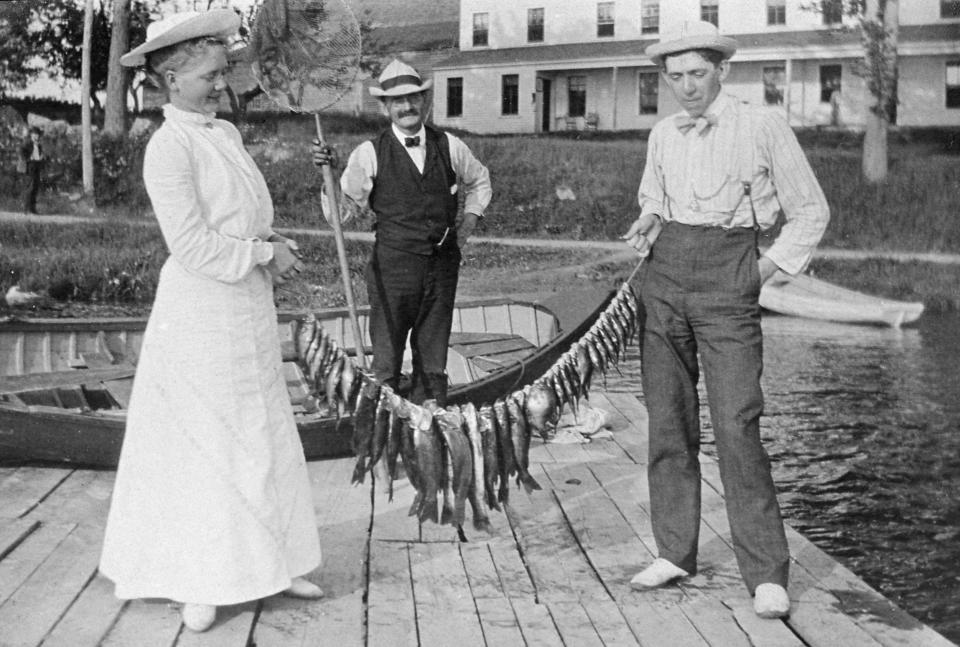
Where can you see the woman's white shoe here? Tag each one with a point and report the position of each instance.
(198, 617)
(304, 589)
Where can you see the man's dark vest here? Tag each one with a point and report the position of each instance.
(413, 210)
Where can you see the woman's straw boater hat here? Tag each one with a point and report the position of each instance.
(398, 79)
(691, 34)
(219, 23)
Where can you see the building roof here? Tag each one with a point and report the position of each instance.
(413, 38)
(397, 13)
(819, 40)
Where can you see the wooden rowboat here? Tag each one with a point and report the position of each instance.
(805, 296)
(64, 384)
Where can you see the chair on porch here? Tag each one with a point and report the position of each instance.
(591, 121)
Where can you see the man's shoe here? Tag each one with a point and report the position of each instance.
(198, 617)
(304, 589)
(771, 601)
(659, 573)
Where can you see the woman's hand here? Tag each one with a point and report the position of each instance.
(285, 265)
(643, 233)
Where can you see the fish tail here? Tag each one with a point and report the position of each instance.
(415, 506)
(529, 483)
(428, 510)
(482, 523)
(359, 471)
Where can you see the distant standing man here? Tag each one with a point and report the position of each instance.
(716, 174)
(32, 155)
(411, 176)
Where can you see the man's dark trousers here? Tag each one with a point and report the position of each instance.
(412, 294)
(700, 290)
(33, 186)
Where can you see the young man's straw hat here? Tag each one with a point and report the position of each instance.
(691, 34)
(219, 23)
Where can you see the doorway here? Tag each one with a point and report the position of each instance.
(546, 101)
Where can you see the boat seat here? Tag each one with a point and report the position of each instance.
(475, 354)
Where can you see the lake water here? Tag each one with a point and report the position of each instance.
(862, 425)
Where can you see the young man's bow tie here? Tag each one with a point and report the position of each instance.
(411, 142)
(701, 123)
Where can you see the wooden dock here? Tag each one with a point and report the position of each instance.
(556, 572)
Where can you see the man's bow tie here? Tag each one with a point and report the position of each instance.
(411, 142)
(686, 122)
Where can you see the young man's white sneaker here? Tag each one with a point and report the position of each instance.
(303, 589)
(771, 601)
(659, 573)
(198, 617)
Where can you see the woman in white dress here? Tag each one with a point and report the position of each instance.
(212, 503)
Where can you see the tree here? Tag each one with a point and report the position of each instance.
(878, 21)
(118, 77)
(15, 68)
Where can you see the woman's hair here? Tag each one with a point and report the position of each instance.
(174, 57)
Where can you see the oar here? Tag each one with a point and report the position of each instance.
(334, 205)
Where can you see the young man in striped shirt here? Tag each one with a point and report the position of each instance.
(716, 174)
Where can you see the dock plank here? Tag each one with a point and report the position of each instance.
(89, 618)
(762, 633)
(574, 624)
(391, 608)
(36, 606)
(609, 623)
(12, 533)
(24, 489)
(146, 623)
(29, 554)
(444, 605)
(536, 623)
(232, 628)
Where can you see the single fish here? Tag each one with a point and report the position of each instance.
(541, 411)
(364, 420)
(331, 389)
(306, 328)
(446, 462)
(461, 460)
(315, 376)
(596, 356)
(347, 386)
(570, 381)
(394, 441)
(429, 459)
(508, 464)
(471, 427)
(408, 450)
(520, 433)
(487, 427)
(381, 426)
(584, 369)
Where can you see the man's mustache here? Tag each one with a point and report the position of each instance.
(410, 113)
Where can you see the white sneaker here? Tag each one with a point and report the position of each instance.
(304, 589)
(659, 573)
(771, 601)
(198, 617)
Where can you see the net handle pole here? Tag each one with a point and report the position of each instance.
(334, 206)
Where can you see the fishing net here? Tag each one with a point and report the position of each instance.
(305, 54)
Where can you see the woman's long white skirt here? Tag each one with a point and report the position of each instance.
(212, 502)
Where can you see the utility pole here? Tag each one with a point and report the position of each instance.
(86, 125)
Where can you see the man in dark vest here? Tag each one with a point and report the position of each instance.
(411, 177)
(32, 160)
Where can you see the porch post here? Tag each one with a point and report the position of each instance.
(613, 117)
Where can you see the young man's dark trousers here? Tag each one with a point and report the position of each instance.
(412, 295)
(700, 290)
(33, 186)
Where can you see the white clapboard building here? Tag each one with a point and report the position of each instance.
(543, 65)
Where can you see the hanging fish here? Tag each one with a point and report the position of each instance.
(408, 451)
(381, 427)
(491, 455)
(394, 441)
(471, 428)
(331, 388)
(596, 355)
(584, 369)
(363, 425)
(520, 434)
(461, 459)
(312, 349)
(306, 328)
(347, 386)
(507, 462)
(571, 382)
(446, 461)
(540, 407)
(429, 459)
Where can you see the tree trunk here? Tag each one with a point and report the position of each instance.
(87, 135)
(115, 118)
(880, 26)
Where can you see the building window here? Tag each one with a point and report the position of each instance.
(481, 29)
(510, 94)
(774, 78)
(953, 84)
(950, 8)
(776, 12)
(577, 96)
(604, 19)
(829, 81)
(650, 17)
(710, 11)
(455, 96)
(535, 25)
(832, 12)
(649, 92)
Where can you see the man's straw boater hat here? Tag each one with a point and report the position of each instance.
(398, 79)
(691, 34)
(187, 25)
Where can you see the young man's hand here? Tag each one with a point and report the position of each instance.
(325, 155)
(643, 233)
